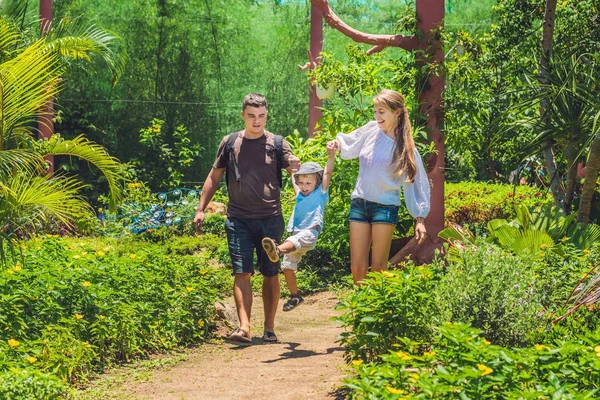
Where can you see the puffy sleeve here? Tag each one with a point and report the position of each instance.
(417, 193)
(352, 143)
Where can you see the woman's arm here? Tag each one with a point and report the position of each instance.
(417, 197)
(350, 144)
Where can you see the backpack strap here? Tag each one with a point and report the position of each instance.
(279, 153)
(230, 157)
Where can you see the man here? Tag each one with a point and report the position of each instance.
(250, 158)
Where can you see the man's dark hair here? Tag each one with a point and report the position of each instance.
(254, 100)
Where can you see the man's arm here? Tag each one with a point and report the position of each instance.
(208, 191)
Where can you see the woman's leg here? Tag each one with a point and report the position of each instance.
(382, 240)
(360, 241)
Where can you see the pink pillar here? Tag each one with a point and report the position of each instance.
(45, 124)
(316, 46)
(430, 16)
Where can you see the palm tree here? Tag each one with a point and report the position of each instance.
(30, 75)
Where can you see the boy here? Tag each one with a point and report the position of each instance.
(311, 185)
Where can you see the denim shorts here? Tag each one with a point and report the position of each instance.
(373, 213)
(244, 236)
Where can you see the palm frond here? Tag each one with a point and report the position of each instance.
(19, 159)
(30, 199)
(93, 153)
(71, 39)
(9, 35)
(27, 83)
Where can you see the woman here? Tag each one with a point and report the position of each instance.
(388, 161)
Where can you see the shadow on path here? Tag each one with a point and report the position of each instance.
(295, 353)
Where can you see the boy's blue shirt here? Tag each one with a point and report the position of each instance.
(309, 210)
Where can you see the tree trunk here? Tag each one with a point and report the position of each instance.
(589, 185)
(571, 153)
(544, 79)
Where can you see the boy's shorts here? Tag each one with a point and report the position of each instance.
(303, 240)
(244, 236)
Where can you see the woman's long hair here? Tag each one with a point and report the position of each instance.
(404, 153)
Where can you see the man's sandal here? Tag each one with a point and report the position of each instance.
(270, 248)
(240, 335)
(293, 302)
(270, 337)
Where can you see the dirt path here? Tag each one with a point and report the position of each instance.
(307, 364)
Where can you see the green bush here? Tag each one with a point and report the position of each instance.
(29, 384)
(388, 306)
(474, 204)
(74, 305)
(214, 224)
(462, 364)
(491, 290)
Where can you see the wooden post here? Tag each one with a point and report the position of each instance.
(316, 46)
(45, 124)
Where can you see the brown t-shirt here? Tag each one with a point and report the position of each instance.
(256, 195)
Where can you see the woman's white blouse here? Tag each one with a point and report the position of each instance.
(376, 180)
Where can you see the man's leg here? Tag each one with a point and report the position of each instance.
(270, 293)
(242, 293)
(241, 249)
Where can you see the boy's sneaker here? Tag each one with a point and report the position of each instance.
(271, 249)
(293, 302)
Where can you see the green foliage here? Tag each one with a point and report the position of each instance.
(214, 224)
(387, 307)
(170, 160)
(491, 290)
(77, 305)
(461, 362)
(31, 384)
(474, 204)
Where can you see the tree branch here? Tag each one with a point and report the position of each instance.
(379, 41)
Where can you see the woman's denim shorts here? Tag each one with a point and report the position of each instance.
(373, 213)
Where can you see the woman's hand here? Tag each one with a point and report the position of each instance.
(420, 231)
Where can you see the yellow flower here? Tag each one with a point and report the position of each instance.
(86, 284)
(540, 347)
(132, 256)
(403, 356)
(100, 209)
(414, 377)
(84, 253)
(387, 274)
(485, 370)
(17, 268)
(101, 316)
(394, 390)
(429, 353)
(356, 363)
(100, 253)
(78, 316)
(189, 288)
(13, 343)
(597, 349)
(77, 256)
(85, 344)
(49, 328)
(31, 359)
(200, 323)
(486, 342)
